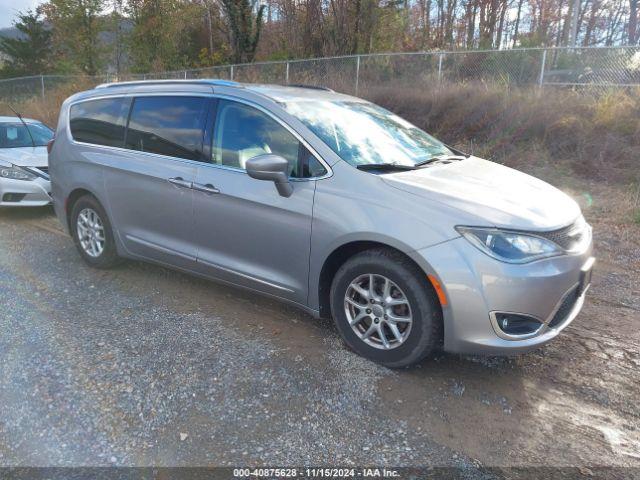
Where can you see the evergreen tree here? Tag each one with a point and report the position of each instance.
(30, 52)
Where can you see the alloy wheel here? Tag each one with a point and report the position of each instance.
(90, 232)
(378, 311)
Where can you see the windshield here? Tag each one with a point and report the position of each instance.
(363, 133)
(14, 135)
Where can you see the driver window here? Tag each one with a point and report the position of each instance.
(243, 132)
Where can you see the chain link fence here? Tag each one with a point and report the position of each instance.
(589, 67)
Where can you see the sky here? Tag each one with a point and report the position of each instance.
(9, 9)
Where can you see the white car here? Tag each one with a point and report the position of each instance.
(24, 170)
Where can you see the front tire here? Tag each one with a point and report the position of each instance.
(385, 308)
(92, 233)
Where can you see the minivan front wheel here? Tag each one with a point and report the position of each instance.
(92, 233)
(385, 309)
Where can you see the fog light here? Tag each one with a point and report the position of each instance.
(13, 197)
(516, 324)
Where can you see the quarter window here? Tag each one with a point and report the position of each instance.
(100, 122)
(171, 126)
(243, 132)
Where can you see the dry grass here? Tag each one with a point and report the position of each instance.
(594, 136)
(47, 109)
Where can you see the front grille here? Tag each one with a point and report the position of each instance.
(565, 308)
(568, 237)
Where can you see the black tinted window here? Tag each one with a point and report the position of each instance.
(170, 126)
(100, 122)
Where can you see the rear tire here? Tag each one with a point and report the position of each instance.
(92, 233)
(396, 323)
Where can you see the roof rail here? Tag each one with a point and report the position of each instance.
(203, 81)
(304, 85)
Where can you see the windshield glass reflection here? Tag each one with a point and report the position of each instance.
(363, 133)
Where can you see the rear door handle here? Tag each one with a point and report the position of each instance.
(208, 188)
(180, 182)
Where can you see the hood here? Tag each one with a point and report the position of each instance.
(25, 156)
(497, 195)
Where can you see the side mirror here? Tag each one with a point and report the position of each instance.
(271, 167)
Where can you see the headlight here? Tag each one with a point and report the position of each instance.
(509, 246)
(16, 173)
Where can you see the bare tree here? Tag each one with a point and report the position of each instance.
(633, 22)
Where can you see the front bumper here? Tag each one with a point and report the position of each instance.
(477, 286)
(24, 193)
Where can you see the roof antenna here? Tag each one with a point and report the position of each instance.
(25, 125)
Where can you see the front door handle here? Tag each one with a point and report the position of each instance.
(208, 188)
(180, 182)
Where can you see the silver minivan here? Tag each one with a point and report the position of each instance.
(327, 202)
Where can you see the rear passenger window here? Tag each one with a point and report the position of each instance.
(100, 122)
(171, 126)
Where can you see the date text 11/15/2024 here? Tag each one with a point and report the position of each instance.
(315, 473)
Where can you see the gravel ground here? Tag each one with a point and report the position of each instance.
(145, 366)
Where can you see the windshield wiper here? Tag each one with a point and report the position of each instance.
(435, 158)
(384, 166)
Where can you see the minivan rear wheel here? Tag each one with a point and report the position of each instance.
(385, 308)
(92, 233)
